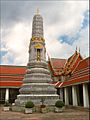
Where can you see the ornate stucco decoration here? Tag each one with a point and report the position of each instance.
(38, 46)
(37, 39)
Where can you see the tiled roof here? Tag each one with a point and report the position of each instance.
(80, 75)
(83, 64)
(64, 66)
(10, 83)
(82, 69)
(9, 69)
(57, 63)
(72, 82)
(11, 76)
(72, 63)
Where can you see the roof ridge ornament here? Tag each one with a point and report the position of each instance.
(76, 48)
(79, 49)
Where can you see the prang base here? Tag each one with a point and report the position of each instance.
(35, 109)
(48, 99)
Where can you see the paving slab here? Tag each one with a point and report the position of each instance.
(69, 114)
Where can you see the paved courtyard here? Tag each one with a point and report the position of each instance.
(69, 114)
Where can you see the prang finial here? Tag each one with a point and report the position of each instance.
(37, 12)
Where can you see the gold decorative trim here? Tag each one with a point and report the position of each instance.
(38, 46)
(38, 39)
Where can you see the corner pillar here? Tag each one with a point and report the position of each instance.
(85, 96)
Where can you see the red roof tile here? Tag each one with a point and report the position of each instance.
(6, 69)
(76, 81)
(13, 75)
(58, 63)
(72, 63)
(10, 83)
(72, 82)
(82, 64)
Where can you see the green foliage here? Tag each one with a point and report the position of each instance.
(59, 104)
(29, 104)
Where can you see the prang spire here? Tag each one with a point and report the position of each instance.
(37, 81)
(37, 25)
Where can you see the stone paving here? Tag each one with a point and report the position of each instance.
(69, 114)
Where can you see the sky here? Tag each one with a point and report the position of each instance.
(66, 25)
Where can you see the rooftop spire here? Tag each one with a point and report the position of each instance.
(79, 49)
(76, 48)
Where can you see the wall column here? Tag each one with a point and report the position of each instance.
(61, 94)
(85, 96)
(66, 96)
(7, 94)
(74, 96)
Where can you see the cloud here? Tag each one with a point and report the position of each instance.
(85, 21)
(83, 42)
(60, 18)
(16, 43)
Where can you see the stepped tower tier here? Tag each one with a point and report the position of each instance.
(37, 28)
(37, 81)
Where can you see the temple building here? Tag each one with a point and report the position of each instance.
(69, 78)
(73, 82)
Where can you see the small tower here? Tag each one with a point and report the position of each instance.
(37, 81)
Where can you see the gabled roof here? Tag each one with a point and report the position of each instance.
(82, 64)
(80, 75)
(82, 69)
(57, 65)
(72, 62)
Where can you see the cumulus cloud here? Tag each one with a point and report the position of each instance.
(69, 23)
(59, 18)
(16, 43)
